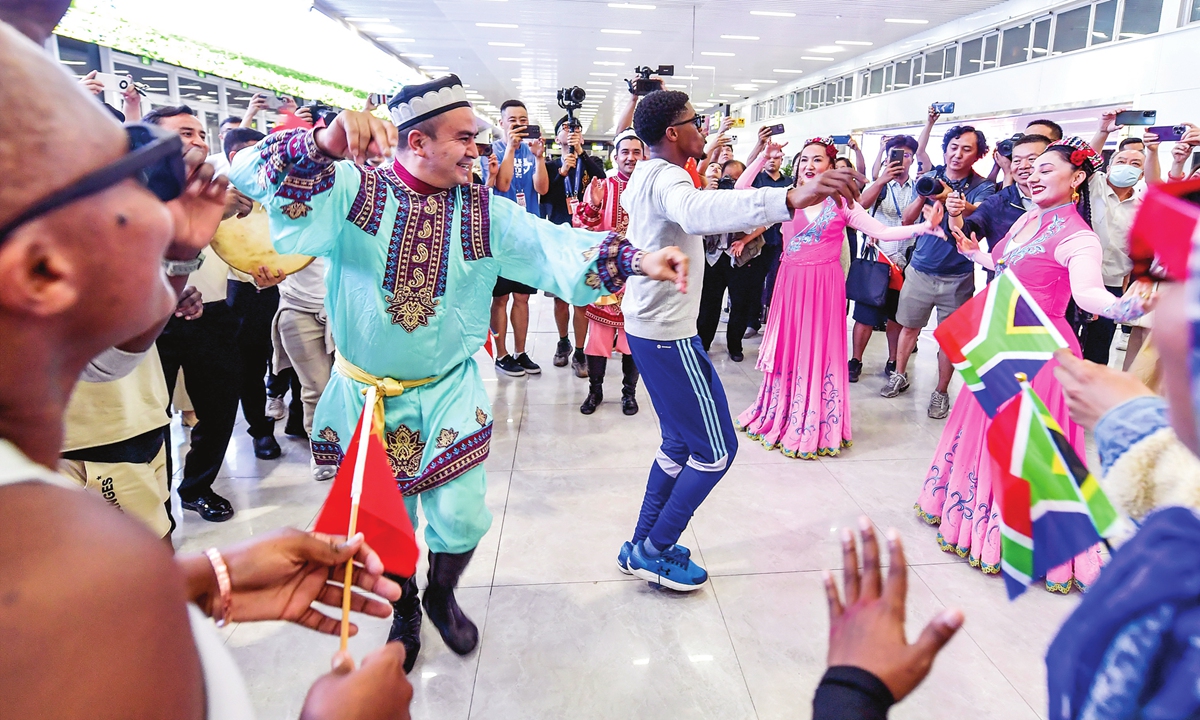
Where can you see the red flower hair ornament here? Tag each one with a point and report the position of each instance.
(1082, 155)
(827, 142)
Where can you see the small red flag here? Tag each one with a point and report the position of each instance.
(382, 517)
(490, 345)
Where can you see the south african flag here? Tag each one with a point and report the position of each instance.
(1051, 507)
(996, 334)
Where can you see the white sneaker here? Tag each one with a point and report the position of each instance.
(322, 473)
(276, 408)
(1122, 340)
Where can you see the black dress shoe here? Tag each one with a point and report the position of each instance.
(211, 506)
(594, 397)
(629, 405)
(295, 429)
(266, 448)
(736, 356)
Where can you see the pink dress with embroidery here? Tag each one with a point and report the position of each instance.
(1061, 258)
(802, 406)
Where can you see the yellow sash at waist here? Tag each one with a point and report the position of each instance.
(384, 386)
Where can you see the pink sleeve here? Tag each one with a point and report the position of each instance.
(861, 220)
(1081, 254)
(746, 181)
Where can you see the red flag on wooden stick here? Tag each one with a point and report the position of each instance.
(382, 517)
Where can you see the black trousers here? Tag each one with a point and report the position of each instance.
(254, 310)
(745, 296)
(769, 260)
(206, 350)
(1095, 337)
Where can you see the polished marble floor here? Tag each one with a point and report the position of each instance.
(565, 635)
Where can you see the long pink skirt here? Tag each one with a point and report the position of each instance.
(803, 405)
(957, 494)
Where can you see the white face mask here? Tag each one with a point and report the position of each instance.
(1124, 176)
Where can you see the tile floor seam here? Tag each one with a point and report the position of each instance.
(964, 629)
(732, 645)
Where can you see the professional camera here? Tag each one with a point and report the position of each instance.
(321, 111)
(1005, 147)
(571, 99)
(643, 85)
(931, 186)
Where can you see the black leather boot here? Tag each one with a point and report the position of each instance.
(456, 629)
(595, 396)
(629, 373)
(406, 621)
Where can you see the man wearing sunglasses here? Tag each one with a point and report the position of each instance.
(665, 209)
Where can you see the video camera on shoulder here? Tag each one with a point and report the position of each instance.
(643, 84)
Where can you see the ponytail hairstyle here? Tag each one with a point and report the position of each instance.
(1080, 156)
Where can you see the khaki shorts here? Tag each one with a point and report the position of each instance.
(923, 292)
(138, 489)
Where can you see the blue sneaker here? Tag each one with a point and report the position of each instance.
(627, 548)
(673, 569)
(623, 558)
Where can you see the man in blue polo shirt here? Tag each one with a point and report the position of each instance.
(521, 178)
(938, 276)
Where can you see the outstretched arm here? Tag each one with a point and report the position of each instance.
(746, 181)
(921, 156)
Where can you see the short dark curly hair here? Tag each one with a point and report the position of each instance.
(656, 112)
(958, 131)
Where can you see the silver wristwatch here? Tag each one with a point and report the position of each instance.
(179, 268)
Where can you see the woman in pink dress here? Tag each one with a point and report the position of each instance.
(802, 406)
(1054, 253)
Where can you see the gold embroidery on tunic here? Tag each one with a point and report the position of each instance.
(404, 450)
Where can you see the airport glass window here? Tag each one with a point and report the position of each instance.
(238, 100)
(934, 62)
(197, 91)
(991, 43)
(80, 57)
(1041, 39)
(831, 93)
(888, 74)
(1015, 46)
(903, 74)
(1071, 30)
(1104, 21)
(918, 63)
(972, 56)
(876, 86)
(951, 62)
(1139, 17)
(1195, 14)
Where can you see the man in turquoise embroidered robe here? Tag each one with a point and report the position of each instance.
(409, 272)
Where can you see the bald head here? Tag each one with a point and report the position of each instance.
(36, 19)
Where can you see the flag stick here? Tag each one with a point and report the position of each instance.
(360, 465)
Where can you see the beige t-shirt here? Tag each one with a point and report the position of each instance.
(210, 279)
(101, 413)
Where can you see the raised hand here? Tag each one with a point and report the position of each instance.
(596, 192)
(669, 264)
(841, 184)
(934, 214)
(966, 245)
(1108, 120)
(867, 630)
(358, 136)
(200, 208)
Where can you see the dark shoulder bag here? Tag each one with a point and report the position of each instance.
(867, 281)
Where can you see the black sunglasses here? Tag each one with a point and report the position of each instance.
(155, 159)
(697, 120)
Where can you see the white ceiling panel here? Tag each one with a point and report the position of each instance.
(735, 48)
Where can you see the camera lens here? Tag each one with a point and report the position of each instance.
(928, 186)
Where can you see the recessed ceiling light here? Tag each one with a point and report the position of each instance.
(701, 67)
(717, 54)
(509, 26)
(614, 49)
(597, 82)
(395, 40)
(675, 86)
(807, 57)
(739, 37)
(772, 13)
(728, 95)
(745, 86)
(432, 67)
(763, 81)
(788, 71)
(520, 59)
(631, 6)
(506, 44)
(854, 42)
(685, 77)
(598, 74)
(907, 21)
(416, 55)
(608, 63)
(826, 49)
(617, 31)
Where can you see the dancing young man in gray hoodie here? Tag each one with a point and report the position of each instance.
(698, 441)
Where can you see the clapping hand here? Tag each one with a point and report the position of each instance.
(866, 631)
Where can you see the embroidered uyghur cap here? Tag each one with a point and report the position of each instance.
(417, 103)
